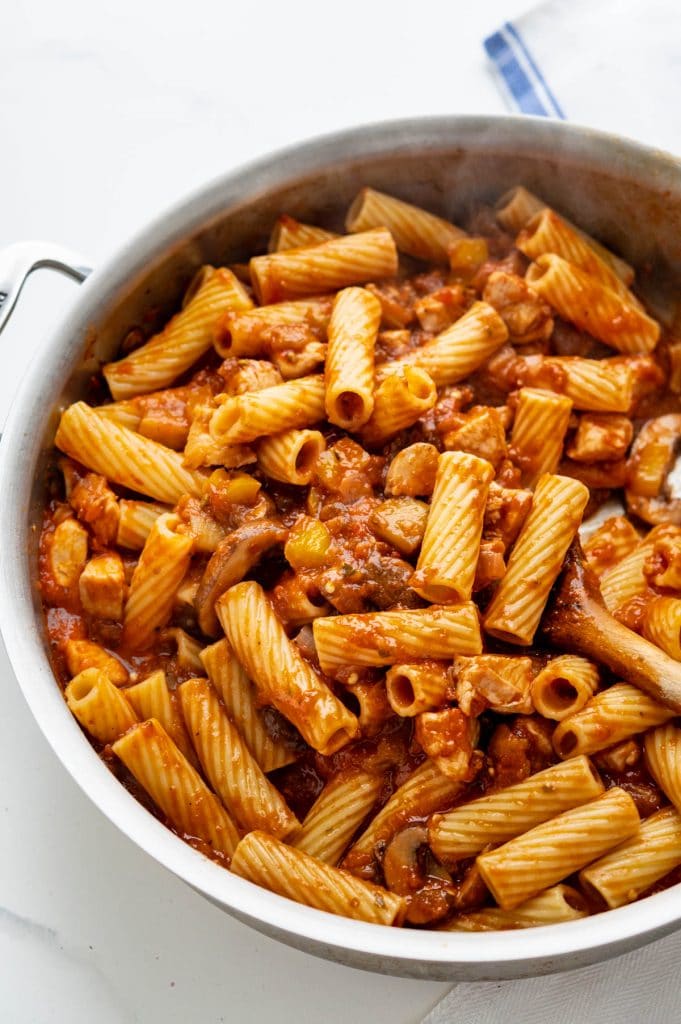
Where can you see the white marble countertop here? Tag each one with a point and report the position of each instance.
(108, 113)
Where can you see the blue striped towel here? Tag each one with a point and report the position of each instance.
(610, 64)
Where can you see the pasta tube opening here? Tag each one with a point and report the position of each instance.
(559, 694)
(401, 691)
(350, 407)
(307, 455)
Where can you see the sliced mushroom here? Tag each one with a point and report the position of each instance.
(402, 867)
(653, 492)
(232, 559)
(410, 869)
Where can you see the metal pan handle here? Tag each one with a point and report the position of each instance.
(20, 260)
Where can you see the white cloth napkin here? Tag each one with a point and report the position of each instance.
(639, 988)
(610, 64)
(615, 65)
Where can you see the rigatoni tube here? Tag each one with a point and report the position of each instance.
(349, 259)
(184, 338)
(281, 674)
(426, 790)
(293, 405)
(516, 208)
(247, 334)
(99, 706)
(387, 638)
(349, 370)
(600, 385)
(399, 401)
(541, 420)
(662, 624)
(291, 456)
(509, 812)
(161, 568)
(460, 349)
(336, 814)
(151, 698)
(416, 231)
(289, 872)
(554, 905)
(536, 559)
(449, 553)
(621, 876)
(548, 232)
(124, 457)
(229, 765)
(417, 687)
(240, 698)
(592, 307)
(289, 233)
(165, 773)
(609, 717)
(550, 852)
(564, 686)
(625, 580)
(135, 520)
(663, 757)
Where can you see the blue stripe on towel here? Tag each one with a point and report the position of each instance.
(515, 34)
(516, 80)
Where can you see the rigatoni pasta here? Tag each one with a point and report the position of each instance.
(662, 624)
(386, 638)
(415, 231)
(449, 553)
(238, 694)
(539, 426)
(152, 698)
(183, 340)
(336, 814)
(349, 368)
(293, 405)
(517, 207)
(621, 876)
(663, 757)
(162, 566)
(249, 333)
(289, 233)
(399, 401)
(279, 671)
(506, 814)
(350, 259)
(564, 686)
(536, 559)
(546, 232)
(295, 874)
(418, 687)
(559, 903)
(99, 706)
(171, 782)
(266, 557)
(609, 717)
(291, 456)
(550, 852)
(591, 306)
(424, 791)
(135, 521)
(459, 350)
(230, 767)
(125, 457)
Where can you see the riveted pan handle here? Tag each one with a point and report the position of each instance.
(19, 260)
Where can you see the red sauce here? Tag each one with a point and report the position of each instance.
(361, 571)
